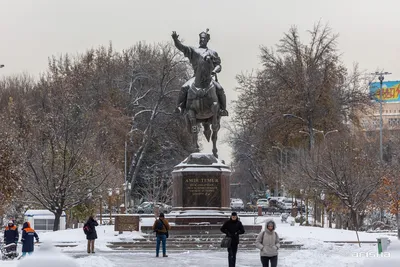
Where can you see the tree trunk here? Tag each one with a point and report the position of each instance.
(354, 223)
(346, 222)
(315, 213)
(307, 223)
(338, 221)
(301, 211)
(57, 215)
(330, 219)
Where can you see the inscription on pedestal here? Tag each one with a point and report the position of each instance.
(201, 191)
(126, 223)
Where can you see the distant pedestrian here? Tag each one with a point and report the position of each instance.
(11, 233)
(91, 234)
(161, 227)
(268, 243)
(233, 228)
(27, 239)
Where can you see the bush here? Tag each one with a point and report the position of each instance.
(300, 219)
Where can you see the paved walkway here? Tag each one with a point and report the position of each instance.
(184, 259)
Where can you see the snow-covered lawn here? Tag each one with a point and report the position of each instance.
(314, 253)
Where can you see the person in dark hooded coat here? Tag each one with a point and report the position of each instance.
(11, 233)
(28, 237)
(91, 235)
(233, 228)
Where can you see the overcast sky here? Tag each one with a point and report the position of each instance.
(32, 30)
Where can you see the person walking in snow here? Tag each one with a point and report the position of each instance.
(161, 227)
(268, 243)
(91, 234)
(233, 228)
(27, 239)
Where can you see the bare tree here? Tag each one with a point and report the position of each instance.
(12, 90)
(346, 169)
(156, 74)
(307, 82)
(64, 164)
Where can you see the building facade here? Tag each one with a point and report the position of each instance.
(390, 117)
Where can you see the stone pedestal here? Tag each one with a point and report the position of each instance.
(201, 186)
(126, 222)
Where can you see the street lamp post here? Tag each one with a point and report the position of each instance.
(328, 132)
(127, 187)
(321, 132)
(325, 134)
(315, 199)
(309, 125)
(118, 205)
(381, 77)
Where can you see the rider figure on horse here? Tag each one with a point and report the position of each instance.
(195, 54)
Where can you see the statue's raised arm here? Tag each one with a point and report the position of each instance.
(187, 51)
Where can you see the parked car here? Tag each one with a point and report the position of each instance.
(237, 204)
(285, 204)
(263, 203)
(148, 207)
(273, 201)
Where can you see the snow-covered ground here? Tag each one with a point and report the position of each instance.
(315, 252)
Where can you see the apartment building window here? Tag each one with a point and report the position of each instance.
(394, 122)
(375, 123)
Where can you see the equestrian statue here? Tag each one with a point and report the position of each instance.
(202, 99)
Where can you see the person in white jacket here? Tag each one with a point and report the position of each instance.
(268, 243)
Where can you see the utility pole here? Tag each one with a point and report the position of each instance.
(381, 77)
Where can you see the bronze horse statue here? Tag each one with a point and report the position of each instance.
(202, 106)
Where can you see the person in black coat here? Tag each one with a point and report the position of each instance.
(91, 234)
(233, 228)
(11, 233)
(27, 239)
